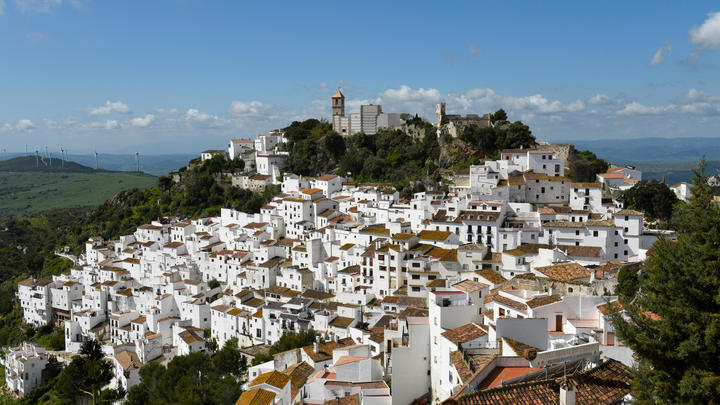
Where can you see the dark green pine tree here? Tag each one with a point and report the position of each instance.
(673, 322)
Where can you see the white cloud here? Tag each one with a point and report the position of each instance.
(699, 95)
(2, 7)
(111, 124)
(707, 35)
(599, 98)
(541, 104)
(661, 54)
(478, 100)
(162, 110)
(635, 108)
(407, 94)
(22, 125)
(35, 36)
(111, 107)
(240, 108)
(701, 107)
(37, 6)
(142, 122)
(196, 116)
(474, 50)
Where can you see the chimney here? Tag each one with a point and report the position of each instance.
(315, 346)
(567, 392)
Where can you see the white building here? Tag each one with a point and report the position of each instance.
(23, 367)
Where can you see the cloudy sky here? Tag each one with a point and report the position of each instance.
(166, 76)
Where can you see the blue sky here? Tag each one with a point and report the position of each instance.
(167, 76)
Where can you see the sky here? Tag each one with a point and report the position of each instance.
(172, 76)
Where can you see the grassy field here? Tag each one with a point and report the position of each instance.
(27, 192)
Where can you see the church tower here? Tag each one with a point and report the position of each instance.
(439, 114)
(338, 104)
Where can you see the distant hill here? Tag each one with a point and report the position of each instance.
(652, 150)
(39, 164)
(28, 185)
(156, 164)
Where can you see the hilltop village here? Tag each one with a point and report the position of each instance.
(498, 290)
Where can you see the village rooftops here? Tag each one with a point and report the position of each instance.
(257, 396)
(465, 333)
(608, 383)
(565, 271)
(273, 378)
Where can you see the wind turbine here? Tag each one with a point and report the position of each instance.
(96, 160)
(37, 159)
(137, 161)
(62, 157)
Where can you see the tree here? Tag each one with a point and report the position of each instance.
(286, 342)
(192, 379)
(673, 324)
(86, 376)
(585, 165)
(653, 197)
(499, 115)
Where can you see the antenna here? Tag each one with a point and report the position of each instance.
(96, 161)
(137, 161)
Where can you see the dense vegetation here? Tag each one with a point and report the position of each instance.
(656, 199)
(489, 141)
(197, 378)
(314, 148)
(286, 342)
(585, 165)
(672, 308)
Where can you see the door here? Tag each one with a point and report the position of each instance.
(558, 323)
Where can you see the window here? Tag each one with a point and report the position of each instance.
(577, 233)
(595, 233)
(626, 241)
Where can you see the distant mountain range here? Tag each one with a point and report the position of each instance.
(670, 158)
(157, 165)
(652, 150)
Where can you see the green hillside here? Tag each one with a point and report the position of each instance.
(28, 192)
(40, 164)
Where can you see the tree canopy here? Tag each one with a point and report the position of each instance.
(672, 322)
(656, 199)
(491, 140)
(193, 379)
(585, 166)
(286, 342)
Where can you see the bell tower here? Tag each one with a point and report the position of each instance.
(439, 114)
(338, 104)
